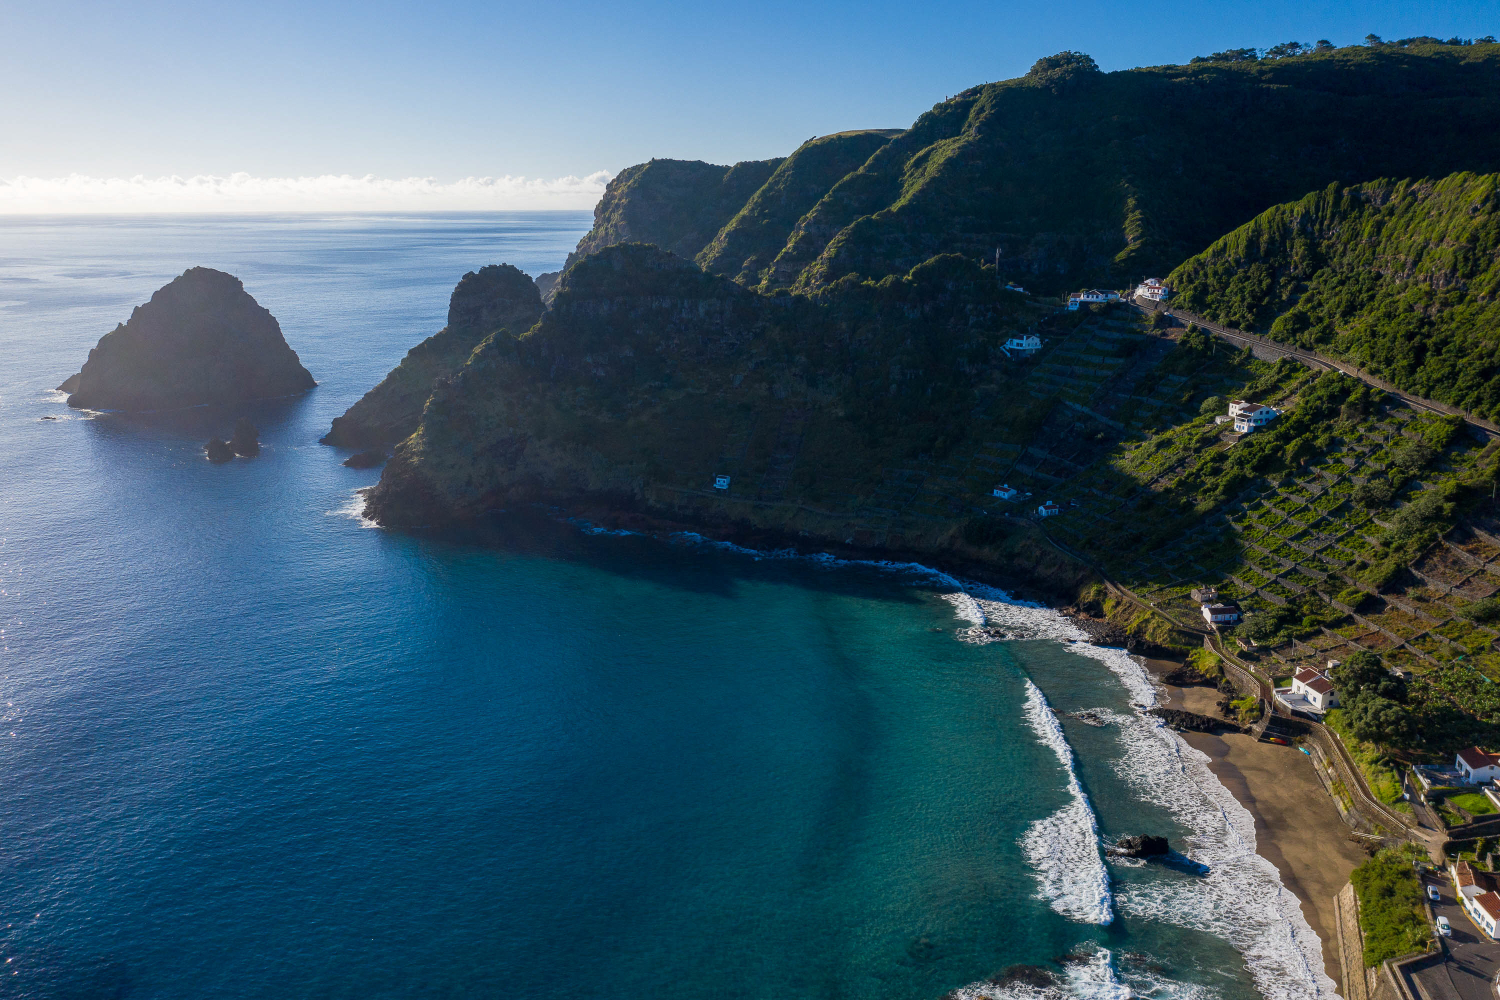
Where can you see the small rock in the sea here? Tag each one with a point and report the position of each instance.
(246, 439)
(1141, 846)
(218, 451)
(1089, 717)
(49, 418)
(375, 456)
(1034, 976)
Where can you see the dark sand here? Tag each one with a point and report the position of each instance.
(1297, 826)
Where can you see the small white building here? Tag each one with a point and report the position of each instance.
(1025, 345)
(1004, 492)
(1220, 614)
(1152, 289)
(1477, 766)
(1091, 296)
(1048, 509)
(1011, 286)
(721, 482)
(1248, 415)
(1479, 900)
(1316, 688)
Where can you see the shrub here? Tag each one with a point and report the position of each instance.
(1484, 611)
(1390, 907)
(1212, 406)
(1374, 494)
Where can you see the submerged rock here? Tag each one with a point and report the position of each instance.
(494, 298)
(219, 451)
(246, 439)
(201, 339)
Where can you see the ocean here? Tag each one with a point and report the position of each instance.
(254, 747)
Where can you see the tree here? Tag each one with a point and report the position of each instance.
(1374, 494)
(1211, 406)
(1286, 49)
(1323, 45)
(1373, 40)
(1064, 71)
(1378, 720)
(1363, 673)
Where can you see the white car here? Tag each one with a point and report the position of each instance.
(1444, 928)
(1433, 894)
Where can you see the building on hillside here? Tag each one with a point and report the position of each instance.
(1248, 415)
(1025, 345)
(1004, 491)
(1316, 688)
(1011, 286)
(1048, 509)
(1205, 595)
(1091, 296)
(1477, 766)
(1220, 614)
(1476, 891)
(721, 482)
(1153, 289)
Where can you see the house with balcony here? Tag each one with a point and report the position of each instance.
(1152, 289)
(1249, 415)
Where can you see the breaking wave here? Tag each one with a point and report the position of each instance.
(1063, 848)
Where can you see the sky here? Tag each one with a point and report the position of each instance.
(159, 105)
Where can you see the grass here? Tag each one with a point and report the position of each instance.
(1474, 803)
(1390, 907)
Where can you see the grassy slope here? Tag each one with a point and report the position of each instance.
(1401, 277)
(1115, 177)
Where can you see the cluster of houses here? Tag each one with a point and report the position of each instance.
(1214, 611)
(1007, 492)
(1476, 891)
(1151, 289)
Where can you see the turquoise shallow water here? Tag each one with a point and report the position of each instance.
(253, 748)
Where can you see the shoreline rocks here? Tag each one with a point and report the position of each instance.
(200, 339)
(1192, 721)
(1141, 846)
(246, 439)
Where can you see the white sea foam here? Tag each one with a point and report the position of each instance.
(1090, 978)
(354, 509)
(1063, 848)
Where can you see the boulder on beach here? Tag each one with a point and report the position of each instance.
(219, 451)
(201, 339)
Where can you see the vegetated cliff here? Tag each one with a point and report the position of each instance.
(201, 339)
(497, 297)
(1400, 277)
(1077, 177)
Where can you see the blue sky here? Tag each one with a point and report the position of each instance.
(450, 90)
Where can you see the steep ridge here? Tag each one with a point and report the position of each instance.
(750, 241)
(497, 297)
(1081, 177)
(1400, 277)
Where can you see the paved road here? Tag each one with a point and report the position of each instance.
(1313, 358)
(1473, 959)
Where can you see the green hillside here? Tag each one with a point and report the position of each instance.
(1400, 277)
(1077, 177)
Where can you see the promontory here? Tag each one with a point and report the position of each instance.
(201, 339)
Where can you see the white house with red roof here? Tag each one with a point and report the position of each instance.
(1220, 614)
(1249, 415)
(1311, 692)
(1048, 509)
(1477, 766)
(1152, 289)
(1476, 891)
(1091, 296)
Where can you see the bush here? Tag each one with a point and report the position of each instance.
(1483, 612)
(1374, 494)
(1212, 406)
(1390, 907)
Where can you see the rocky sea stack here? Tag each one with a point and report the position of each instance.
(494, 298)
(201, 339)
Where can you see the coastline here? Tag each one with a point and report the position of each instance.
(1297, 826)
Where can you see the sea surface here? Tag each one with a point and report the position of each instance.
(253, 747)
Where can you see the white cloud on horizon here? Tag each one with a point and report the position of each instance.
(77, 194)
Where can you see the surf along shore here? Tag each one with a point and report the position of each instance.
(1297, 826)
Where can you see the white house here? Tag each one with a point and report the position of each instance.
(1316, 688)
(1025, 345)
(1248, 415)
(721, 482)
(1004, 492)
(1152, 289)
(1479, 900)
(1011, 286)
(1220, 614)
(1048, 509)
(1477, 766)
(1091, 296)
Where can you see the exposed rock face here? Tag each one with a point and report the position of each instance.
(497, 297)
(201, 339)
(546, 283)
(219, 451)
(246, 439)
(1191, 721)
(366, 459)
(1142, 846)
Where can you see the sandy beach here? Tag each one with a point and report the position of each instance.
(1297, 826)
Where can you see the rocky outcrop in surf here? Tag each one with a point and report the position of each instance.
(494, 298)
(201, 339)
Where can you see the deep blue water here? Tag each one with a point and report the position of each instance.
(253, 748)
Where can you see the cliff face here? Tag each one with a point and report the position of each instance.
(498, 297)
(201, 339)
(1076, 177)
